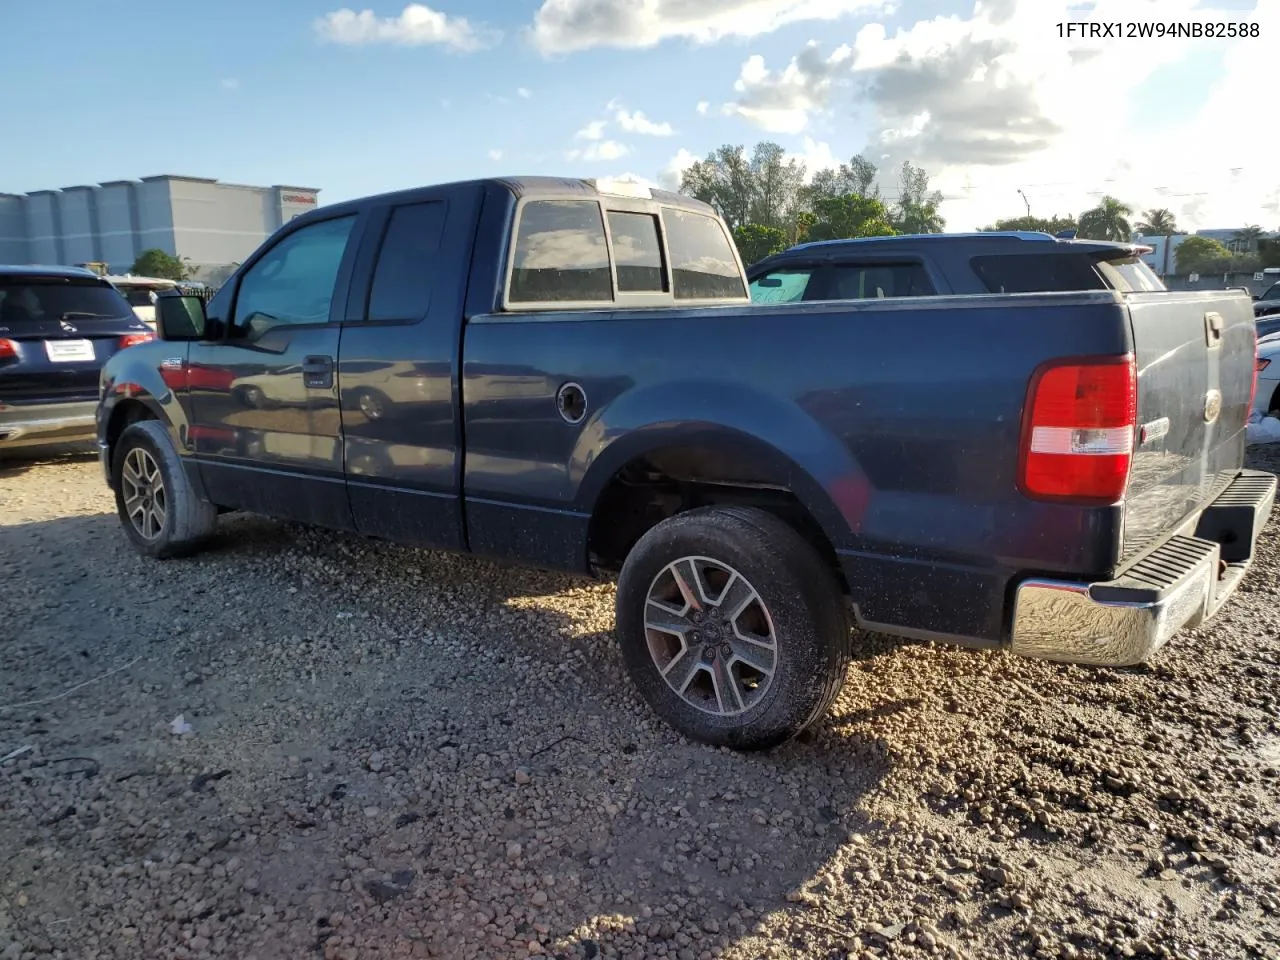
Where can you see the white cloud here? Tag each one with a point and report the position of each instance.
(600, 150)
(671, 174)
(524, 93)
(782, 101)
(638, 123)
(592, 131)
(703, 107)
(417, 25)
(495, 154)
(997, 100)
(564, 26)
(230, 83)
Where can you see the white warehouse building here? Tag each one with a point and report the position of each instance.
(213, 225)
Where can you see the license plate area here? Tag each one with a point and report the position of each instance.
(69, 351)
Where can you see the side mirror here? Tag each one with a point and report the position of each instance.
(1256, 297)
(180, 318)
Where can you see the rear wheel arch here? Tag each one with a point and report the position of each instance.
(655, 481)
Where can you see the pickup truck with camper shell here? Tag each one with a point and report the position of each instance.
(572, 374)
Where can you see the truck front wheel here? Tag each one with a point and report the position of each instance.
(732, 627)
(160, 512)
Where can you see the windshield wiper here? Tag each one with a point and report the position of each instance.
(86, 315)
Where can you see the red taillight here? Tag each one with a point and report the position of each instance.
(1077, 430)
(8, 349)
(1259, 364)
(131, 339)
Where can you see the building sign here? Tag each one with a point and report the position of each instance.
(1259, 276)
(1194, 277)
(297, 198)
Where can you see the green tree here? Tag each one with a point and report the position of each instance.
(840, 218)
(858, 176)
(1158, 222)
(1109, 220)
(755, 241)
(1201, 255)
(1246, 239)
(917, 210)
(1050, 225)
(765, 188)
(1269, 252)
(156, 263)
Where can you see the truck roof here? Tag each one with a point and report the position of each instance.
(981, 236)
(536, 188)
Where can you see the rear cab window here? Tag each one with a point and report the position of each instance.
(597, 253)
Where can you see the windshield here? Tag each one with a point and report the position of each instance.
(30, 300)
(1272, 294)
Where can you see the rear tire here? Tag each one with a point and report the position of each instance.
(160, 511)
(732, 627)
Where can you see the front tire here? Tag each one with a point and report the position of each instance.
(732, 627)
(160, 511)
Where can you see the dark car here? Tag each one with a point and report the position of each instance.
(58, 326)
(1267, 325)
(1269, 303)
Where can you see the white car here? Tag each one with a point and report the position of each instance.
(1266, 395)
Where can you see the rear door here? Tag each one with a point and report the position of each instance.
(56, 333)
(398, 370)
(1195, 360)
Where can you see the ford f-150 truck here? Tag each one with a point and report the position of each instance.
(572, 375)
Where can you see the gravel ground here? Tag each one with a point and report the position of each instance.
(395, 753)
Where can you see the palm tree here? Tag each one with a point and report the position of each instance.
(1109, 220)
(1159, 222)
(1246, 238)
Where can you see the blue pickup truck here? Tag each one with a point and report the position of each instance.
(573, 375)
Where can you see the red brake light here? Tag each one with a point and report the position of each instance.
(8, 349)
(1077, 430)
(1259, 364)
(130, 339)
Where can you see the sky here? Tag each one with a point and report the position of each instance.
(990, 97)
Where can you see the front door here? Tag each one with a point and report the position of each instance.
(266, 426)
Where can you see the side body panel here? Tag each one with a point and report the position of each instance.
(895, 423)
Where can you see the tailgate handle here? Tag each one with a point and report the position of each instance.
(1213, 329)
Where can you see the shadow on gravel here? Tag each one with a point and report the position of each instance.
(397, 753)
(14, 463)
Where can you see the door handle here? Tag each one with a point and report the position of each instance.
(317, 372)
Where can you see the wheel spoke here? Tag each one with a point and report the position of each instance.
(662, 617)
(728, 697)
(758, 657)
(735, 598)
(685, 574)
(681, 671)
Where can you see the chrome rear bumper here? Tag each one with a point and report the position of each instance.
(1180, 584)
(22, 426)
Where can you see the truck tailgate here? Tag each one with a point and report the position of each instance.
(1195, 361)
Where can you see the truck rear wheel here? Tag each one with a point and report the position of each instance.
(732, 627)
(158, 508)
